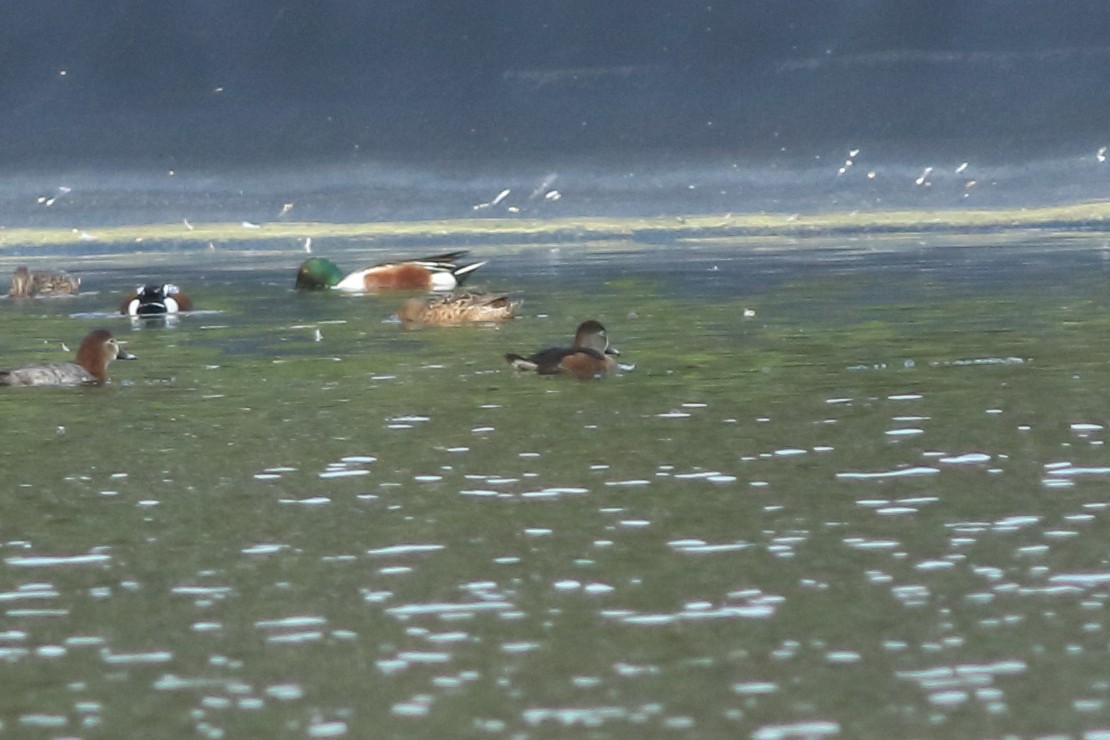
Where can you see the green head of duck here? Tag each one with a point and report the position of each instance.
(317, 273)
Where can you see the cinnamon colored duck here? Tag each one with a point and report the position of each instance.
(97, 351)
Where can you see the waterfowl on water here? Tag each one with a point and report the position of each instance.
(27, 283)
(454, 309)
(589, 357)
(156, 300)
(439, 272)
(97, 350)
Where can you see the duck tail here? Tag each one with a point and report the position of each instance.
(6, 378)
(462, 272)
(521, 363)
(445, 258)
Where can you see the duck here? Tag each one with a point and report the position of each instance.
(590, 356)
(26, 284)
(97, 350)
(454, 309)
(156, 300)
(439, 272)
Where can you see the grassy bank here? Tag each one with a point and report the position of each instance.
(1075, 216)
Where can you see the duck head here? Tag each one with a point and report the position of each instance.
(97, 351)
(317, 273)
(591, 335)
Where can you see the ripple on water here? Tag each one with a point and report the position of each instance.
(208, 592)
(965, 459)
(554, 492)
(698, 547)
(310, 501)
(153, 656)
(590, 717)
(812, 729)
(341, 470)
(405, 422)
(712, 476)
(43, 720)
(898, 473)
(1083, 428)
(264, 549)
(864, 543)
(285, 691)
(953, 686)
(53, 561)
(1085, 580)
(934, 565)
(29, 591)
(753, 688)
(1014, 523)
(407, 611)
(1067, 470)
(416, 706)
(843, 656)
(406, 549)
(762, 610)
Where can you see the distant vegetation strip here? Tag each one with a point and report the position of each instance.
(1084, 215)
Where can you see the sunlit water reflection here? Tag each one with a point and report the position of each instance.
(855, 491)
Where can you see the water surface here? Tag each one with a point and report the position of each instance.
(853, 486)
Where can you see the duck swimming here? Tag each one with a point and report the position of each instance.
(27, 284)
(591, 355)
(454, 309)
(156, 300)
(97, 350)
(439, 272)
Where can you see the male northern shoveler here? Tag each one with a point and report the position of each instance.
(26, 283)
(453, 309)
(156, 300)
(439, 272)
(97, 350)
(590, 356)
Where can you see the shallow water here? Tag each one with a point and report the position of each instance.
(877, 507)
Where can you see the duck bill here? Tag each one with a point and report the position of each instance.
(125, 355)
(612, 351)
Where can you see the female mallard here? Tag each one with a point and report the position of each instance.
(454, 309)
(26, 284)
